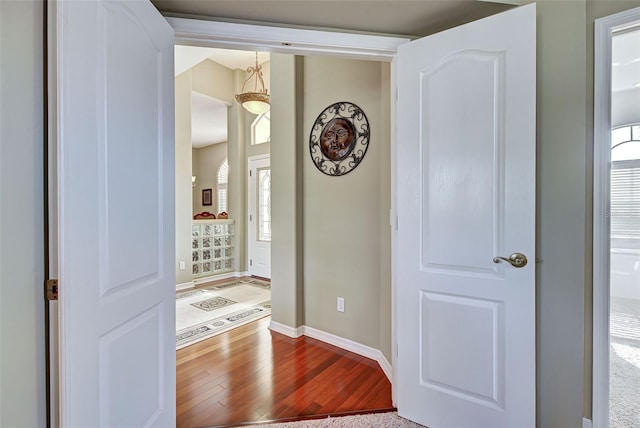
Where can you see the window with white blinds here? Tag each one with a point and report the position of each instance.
(625, 182)
(625, 200)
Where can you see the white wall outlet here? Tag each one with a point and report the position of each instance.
(340, 304)
(183, 265)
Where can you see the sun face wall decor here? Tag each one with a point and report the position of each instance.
(339, 138)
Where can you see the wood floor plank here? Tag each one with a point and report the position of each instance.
(252, 374)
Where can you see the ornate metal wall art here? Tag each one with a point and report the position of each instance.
(339, 138)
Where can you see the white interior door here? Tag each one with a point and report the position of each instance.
(115, 136)
(259, 217)
(466, 194)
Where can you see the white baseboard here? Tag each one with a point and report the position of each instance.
(185, 285)
(586, 423)
(286, 330)
(351, 346)
(218, 277)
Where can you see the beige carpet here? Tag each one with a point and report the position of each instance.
(624, 404)
(375, 420)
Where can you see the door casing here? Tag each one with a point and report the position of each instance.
(604, 28)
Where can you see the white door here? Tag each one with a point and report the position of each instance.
(466, 194)
(115, 136)
(259, 217)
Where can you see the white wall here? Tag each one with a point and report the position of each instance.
(22, 350)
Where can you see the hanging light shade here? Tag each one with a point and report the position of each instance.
(256, 102)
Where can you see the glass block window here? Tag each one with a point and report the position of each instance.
(223, 179)
(261, 128)
(625, 183)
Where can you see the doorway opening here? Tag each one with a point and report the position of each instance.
(616, 257)
(358, 219)
(214, 138)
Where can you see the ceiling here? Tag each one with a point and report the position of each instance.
(409, 17)
(400, 17)
(188, 56)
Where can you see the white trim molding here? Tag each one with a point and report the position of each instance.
(227, 275)
(586, 423)
(185, 285)
(199, 32)
(286, 330)
(351, 346)
(604, 28)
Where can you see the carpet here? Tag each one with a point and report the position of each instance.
(624, 381)
(373, 420)
(207, 311)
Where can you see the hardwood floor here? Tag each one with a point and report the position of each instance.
(252, 374)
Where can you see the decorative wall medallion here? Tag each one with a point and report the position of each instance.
(339, 138)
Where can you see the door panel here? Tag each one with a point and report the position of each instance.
(466, 194)
(463, 178)
(115, 214)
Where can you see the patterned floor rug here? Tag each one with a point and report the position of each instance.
(205, 312)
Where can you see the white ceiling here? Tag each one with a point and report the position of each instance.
(189, 56)
(208, 114)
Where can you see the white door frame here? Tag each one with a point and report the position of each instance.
(251, 201)
(296, 41)
(604, 28)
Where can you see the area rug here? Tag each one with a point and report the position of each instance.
(207, 311)
(624, 405)
(381, 420)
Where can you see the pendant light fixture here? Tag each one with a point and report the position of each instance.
(256, 102)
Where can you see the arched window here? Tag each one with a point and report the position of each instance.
(223, 179)
(625, 183)
(261, 128)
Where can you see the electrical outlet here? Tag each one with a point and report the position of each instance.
(183, 265)
(340, 304)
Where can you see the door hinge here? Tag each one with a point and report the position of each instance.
(250, 173)
(51, 289)
(250, 262)
(250, 217)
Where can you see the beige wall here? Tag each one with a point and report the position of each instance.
(560, 217)
(22, 341)
(346, 219)
(183, 177)
(214, 80)
(286, 190)
(206, 161)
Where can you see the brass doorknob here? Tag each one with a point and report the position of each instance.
(517, 260)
